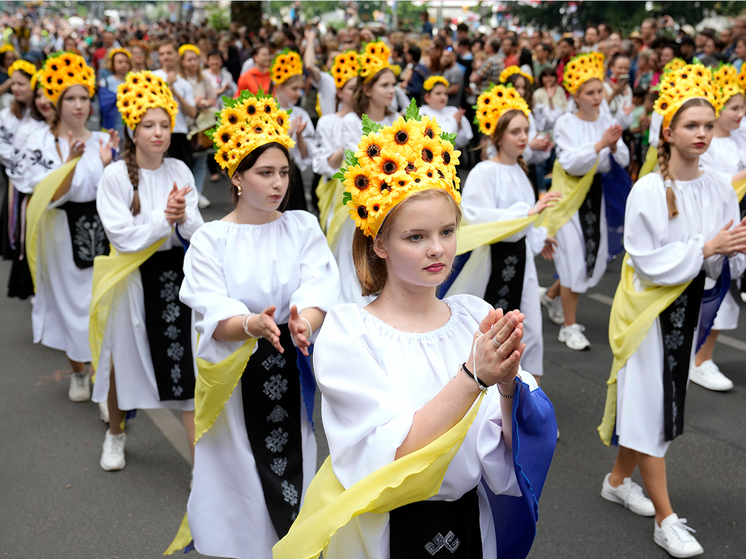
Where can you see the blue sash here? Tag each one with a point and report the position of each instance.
(617, 184)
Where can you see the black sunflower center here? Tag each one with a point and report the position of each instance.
(251, 110)
(233, 119)
(440, 174)
(59, 81)
(376, 207)
(225, 137)
(402, 182)
(429, 174)
(267, 109)
(429, 133)
(418, 180)
(67, 61)
(401, 137)
(280, 120)
(409, 168)
(258, 129)
(362, 212)
(373, 151)
(361, 182)
(427, 155)
(225, 156)
(446, 158)
(389, 167)
(487, 101)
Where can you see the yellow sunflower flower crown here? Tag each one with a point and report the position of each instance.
(23, 66)
(285, 65)
(142, 91)
(120, 50)
(65, 69)
(374, 58)
(674, 64)
(582, 68)
(494, 102)
(246, 123)
(727, 83)
(394, 162)
(346, 66)
(678, 86)
(7, 47)
(512, 70)
(432, 80)
(188, 47)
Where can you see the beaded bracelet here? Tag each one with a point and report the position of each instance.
(245, 323)
(500, 391)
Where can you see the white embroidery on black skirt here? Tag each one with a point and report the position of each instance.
(277, 414)
(171, 313)
(290, 493)
(275, 387)
(278, 465)
(450, 542)
(273, 360)
(172, 332)
(276, 440)
(90, 239)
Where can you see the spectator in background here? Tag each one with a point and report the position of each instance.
(100, 53)
(648, 73)
(416, 77)
(604, 30)
(434, 54)
(648, 30)
(565, 51)
(427, 27)
(711, 47)
(510, 47)
(489, 71)
(455, 78)
(590, 39)
(740, 52)
(668, 53)
(258, 76)
(535, 40)
(541, 58)
(701, 39)
(220, 78)
(687, 47)
(737, 31)
(462, 32)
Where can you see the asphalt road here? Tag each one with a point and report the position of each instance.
(55, 501)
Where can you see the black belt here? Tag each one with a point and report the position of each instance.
(505, 287)
(270, 389)
(678, 323)
(168, 322)
(429, 529)
(86, 232)
(590, 223)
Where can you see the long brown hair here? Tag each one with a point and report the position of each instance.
(360, 100)
(129, 155)
(502, 125)
(664, 155)
(370, 268)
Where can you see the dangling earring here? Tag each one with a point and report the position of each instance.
(238, 189)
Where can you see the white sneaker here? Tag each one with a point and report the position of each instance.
(573, 337)
(103, 410)
(80, 387)
(674, 536)
(203, 202)
(554, 307)
(708, 376)
(628, 494)
(112, 456)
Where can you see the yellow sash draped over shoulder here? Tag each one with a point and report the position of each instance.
(328, 506)
(330, 193)
(470, 237)
(574, 191)
(740, 187)
(40, 200)
(632, 315)
(651, 162)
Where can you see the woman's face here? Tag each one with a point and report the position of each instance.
(215, 63)
(153, 134)
(548, 81)
(692, 134)
(345, 94)
(515, 138)
(667, 55)
(20, 87)
(74, 106)
(70, 44)
(289, 92)
(620, 67)
(732, 113)
(121, 64)
(741, 49)
(262, 58)
(190, 62)
(381, 93)
(653, 63)
(43, 105)
(520, 86)
(263, 187)
(138, 57)
(709, 47)
(437, 98)
(589, 96)
(421, 244)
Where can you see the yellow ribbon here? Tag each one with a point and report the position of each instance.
(632, 315)
(574, 191)
(183, 537)
(328, 506)
(42, 197)
(330, 193)
(740, 187)
(651, 162)
(470, 237)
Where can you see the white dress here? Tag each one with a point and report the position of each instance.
(9, 126)
(326, 90)
(126, 339)
(231, 269)
(666, 251)
(727, 156)
(530, 156)
(447, 121)
(373, 378)
(329, 140)
(575, 140)
(352, 132)
(63, 291)
(497, 192)
(302, 163)
(618, 105)
(17, 167)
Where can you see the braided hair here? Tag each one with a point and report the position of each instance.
(129, 155)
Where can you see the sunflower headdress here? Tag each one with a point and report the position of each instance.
(678, 86)
(674, 64)
(285, 65)
(726, 83)
(582, 68)
(246, 123)
(346, 66)
(187, 47)
(65, 69)
(432, 80)
(394, 162)
(512, 70)
(23, 66)
(741, 78)
(142, 91)
(374, 58)
(494, 102)
(119, 50)
(7, 47)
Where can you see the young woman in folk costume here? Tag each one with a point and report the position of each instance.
(17, 123)
(374, 92)
(119, 63)
(680, 224)
(287, 81)
(399, 379)
(63, 230)
(588, 140)
(451, 119)
(498, 190)
(329, 152)
(260, 282)
(726, 154)
(141, 335)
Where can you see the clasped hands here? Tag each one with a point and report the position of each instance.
(497, 349)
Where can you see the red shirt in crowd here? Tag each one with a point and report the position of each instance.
(252, 80)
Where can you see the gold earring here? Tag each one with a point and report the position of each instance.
(238, 188)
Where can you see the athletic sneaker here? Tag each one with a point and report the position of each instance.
(203, 202)
(103, 410)
(628, 494)
(112, 456)
(674, 536)
(554, 307)
(708, 376)
(573, 337)
(80, 387)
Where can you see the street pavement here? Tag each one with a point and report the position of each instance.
(55, 501)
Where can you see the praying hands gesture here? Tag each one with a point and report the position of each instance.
(176, 206)
(728, 241)
(497, 350)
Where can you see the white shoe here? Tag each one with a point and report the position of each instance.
(112, 456)
(203, 202)
(103, 410)
(554, 307)
(80, 387)
(629, 495)
(573, 337)
(674, 536)
(708, 376)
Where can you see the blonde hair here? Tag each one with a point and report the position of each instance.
(370, 268)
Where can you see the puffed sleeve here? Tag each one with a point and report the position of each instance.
(7, 139)
(656, 121)
(328, 142)
(645, 225)
(575, 156)
(309, 133)
(465, 133)
(352, 131)
(531, 156)
(729, 211)
(365, 422)
(194, 218)
(622, 153)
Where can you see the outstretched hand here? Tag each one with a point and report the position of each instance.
(263, 325)
(299, 330)
(548, 200)
(77, 148)
(105, 148)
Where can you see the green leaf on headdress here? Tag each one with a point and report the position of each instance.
(369, 126)
(339, 175)
(350, 159)
(490, 87)
(210, 133)
(346, 198)
(413, 111)
(449, 137)
(696, 60)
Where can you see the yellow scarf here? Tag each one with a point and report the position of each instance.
(740, 187)
(651, 162)
(574, 191)
(40, 200)
(632, 315)
(329, 193)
